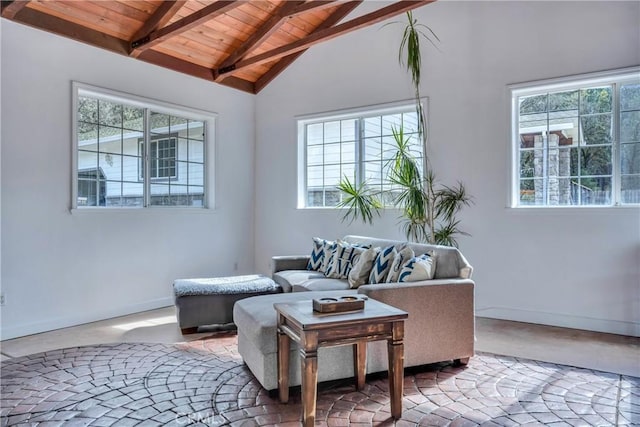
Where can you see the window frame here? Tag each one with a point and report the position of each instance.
(208, 119)
(344, 114)
(615, 77)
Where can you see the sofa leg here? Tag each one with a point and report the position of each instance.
(187, 331)
(464, 361)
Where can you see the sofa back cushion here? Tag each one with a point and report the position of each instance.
(449, 261)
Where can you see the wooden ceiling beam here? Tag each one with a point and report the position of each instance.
(281, 65)
(185, 24)
(261, 34)
(159, 19)
(176, 64)
(310, 5)
(328, 34)
(77, 32)
(11, 8)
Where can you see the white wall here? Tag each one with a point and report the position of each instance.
(568, 267)
(61, 269)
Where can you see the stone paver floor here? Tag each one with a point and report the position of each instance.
(205, 383)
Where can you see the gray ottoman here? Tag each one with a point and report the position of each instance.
(209, 301)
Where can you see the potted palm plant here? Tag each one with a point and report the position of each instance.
(428, 209)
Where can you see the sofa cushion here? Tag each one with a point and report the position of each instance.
(344, 257)
(401, 259)
(321, 284)
(289, 278)
(256, 317)
(418, 268)
(359, 274)
(382, 265)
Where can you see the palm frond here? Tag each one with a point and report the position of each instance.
(359, 201)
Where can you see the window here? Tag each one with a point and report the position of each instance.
(119, 137)
(357, 145)
(577, 141)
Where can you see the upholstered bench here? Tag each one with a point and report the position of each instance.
(209, 301)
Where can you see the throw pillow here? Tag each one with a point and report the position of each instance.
(329, 247)
(317, 255)
(382, 265)
(359, 274)
(421, 267)
(344, 256)
(401, 259)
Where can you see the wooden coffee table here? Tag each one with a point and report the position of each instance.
(299, 323)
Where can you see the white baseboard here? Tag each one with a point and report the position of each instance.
(563, 320)
(75, 319)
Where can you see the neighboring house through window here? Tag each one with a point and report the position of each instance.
(119, 137)
(577, 141)
(357, 144)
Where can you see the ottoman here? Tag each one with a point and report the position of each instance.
(209, 301)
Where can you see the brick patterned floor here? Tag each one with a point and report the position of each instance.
(205, 383)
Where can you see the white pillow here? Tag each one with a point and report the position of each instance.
(401, 259)
(344, 257)
(359, 274)
(422, 267)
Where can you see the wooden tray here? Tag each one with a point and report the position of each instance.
(339, 304)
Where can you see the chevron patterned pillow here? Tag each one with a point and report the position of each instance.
(382, 265)
(421, 267)
(317, 255)
(403, 257)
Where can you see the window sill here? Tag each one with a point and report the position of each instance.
(143, 211)
(572, 210)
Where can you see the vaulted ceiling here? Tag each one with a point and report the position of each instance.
(242, 44)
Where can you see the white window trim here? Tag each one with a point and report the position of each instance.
(305, 119)
(208, 118)
(561, 83)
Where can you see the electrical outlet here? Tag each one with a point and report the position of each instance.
(2, 300)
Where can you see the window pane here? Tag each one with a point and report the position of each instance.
(630, 126)
(348, 170)
(331, 132)
(331, 197)
(389, 147)
(373, 173)
(527, 164)
(111, 166)
(597, 129)
(159, 123)
(196, 174)
(631, 189)
(528, 193)
(195, 130)
(595, 161)
(315, 134)
(109, 113)
(160, 195)
(348, 152)
(372, 149)
(315, 198)
(348, 130)
(132, 194)
(533, 104)
(87, 135)
(390, 122)
(87, 109)
(630, 158)
(133, 118)
(596, 100)
(315, 176)
(196, 151)
(630, 97)
(564, 101)
(110, 139)
(332, 153)
(131, 168)
(314, 155)
(87, 160)
(410, 122)
(114, 193)
(331, 175)
(372, 126)
(594, 191)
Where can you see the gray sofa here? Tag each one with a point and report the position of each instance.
(440, 326)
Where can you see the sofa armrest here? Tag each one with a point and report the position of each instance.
(289, 262)
(441, 323)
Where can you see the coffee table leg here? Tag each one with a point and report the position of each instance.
(360, 363)
(309, 371)
(284, 343)
(395, 347)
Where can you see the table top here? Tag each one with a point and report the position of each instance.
(301, 312)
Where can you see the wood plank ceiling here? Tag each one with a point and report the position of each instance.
(242, 44)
